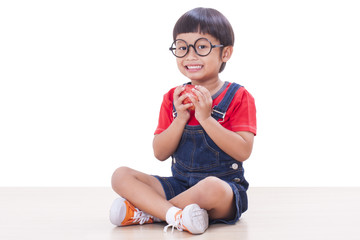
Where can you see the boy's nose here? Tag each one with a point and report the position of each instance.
(191, 54)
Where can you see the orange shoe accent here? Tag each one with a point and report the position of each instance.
(178, 215)
(134, 216)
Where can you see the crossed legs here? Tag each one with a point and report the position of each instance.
(211, 194)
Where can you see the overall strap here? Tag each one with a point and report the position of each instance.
(174, 113)
(219, 111)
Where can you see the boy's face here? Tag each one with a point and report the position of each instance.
(198, 68)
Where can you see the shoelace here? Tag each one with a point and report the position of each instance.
(141, 217)
(177, 224)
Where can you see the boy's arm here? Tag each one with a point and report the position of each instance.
(237, 144)
(165, 143)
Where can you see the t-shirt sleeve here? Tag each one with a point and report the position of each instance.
(165, 115)
(243, 116)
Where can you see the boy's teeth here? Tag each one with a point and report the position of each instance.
(193, 67)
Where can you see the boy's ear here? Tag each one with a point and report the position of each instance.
(226, 53)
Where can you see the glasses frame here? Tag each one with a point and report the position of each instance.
(193, 46)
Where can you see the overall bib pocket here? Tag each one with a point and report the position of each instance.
(194, 153)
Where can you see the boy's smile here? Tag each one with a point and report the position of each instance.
(193, 68)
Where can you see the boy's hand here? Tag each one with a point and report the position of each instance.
(181, 109)
(203, 106)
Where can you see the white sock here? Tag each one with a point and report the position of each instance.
(170, 214)
(156, 219)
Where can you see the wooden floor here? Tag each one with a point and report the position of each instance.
(274, 213)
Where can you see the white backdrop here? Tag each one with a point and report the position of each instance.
(82, 83)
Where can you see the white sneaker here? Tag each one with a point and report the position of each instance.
(192, 219)
(123, 213)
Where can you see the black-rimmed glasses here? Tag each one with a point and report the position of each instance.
(202, 47)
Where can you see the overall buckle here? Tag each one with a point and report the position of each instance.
(214, 111)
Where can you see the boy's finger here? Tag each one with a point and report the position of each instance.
(178, 90)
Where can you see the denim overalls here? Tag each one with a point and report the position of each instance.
(197, 157)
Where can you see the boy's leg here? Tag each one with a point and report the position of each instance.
(149, 195)
(212, 194)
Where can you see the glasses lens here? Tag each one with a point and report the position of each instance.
(203, 47)
(179, 48)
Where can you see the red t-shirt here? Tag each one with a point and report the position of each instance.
(240, 115)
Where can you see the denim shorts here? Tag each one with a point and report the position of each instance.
(173, 187)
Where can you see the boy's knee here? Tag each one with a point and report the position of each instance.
(214, 193)
(119, 176)
(211, 180)
(213, 186)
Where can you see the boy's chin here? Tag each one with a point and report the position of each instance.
(194, 77)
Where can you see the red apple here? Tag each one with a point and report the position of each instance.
(188, 91)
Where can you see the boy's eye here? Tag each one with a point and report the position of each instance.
(182, 48)
(202, 46)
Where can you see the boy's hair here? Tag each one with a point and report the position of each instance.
(206, 21)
